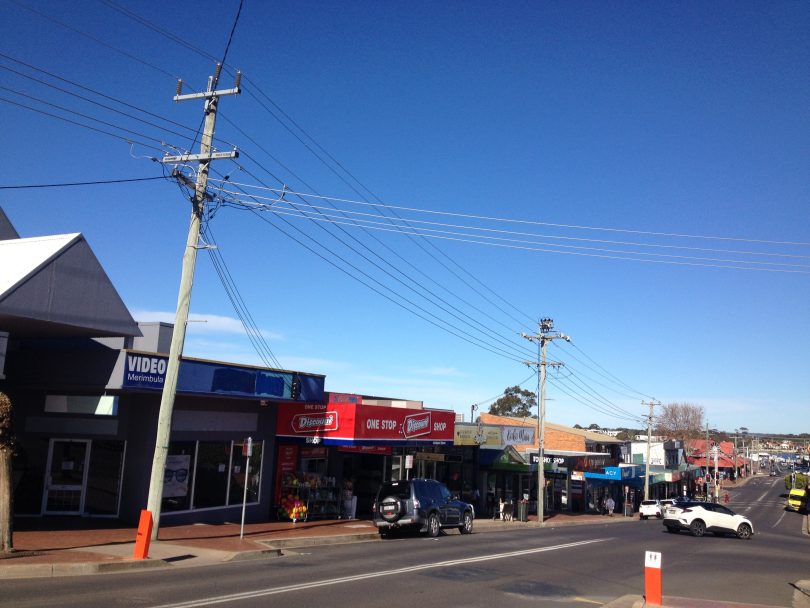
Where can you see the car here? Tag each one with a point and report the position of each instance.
(796, 500)
(702, 517)
(650, 508)
(425, 505)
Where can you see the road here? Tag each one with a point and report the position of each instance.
(579, 565)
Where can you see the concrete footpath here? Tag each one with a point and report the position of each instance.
(51, 547)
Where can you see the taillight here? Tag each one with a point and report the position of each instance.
(374, 507)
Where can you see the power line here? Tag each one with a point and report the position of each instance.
(606, 254)
(548, 236)
(381, 290)
(128, 140)
(93, 183)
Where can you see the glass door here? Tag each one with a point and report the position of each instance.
(66, 477)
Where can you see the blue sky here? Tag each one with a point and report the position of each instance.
(633, 121)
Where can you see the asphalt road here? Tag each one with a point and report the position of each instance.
(580, 565)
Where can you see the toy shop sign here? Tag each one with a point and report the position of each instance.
(357, 424)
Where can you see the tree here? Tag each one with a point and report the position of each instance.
(681, 421)
(516, 402)
(6, 496)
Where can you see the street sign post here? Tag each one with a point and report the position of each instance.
(247, 452)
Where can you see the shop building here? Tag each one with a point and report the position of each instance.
(568, 454)
(334, 455)
(85, 382)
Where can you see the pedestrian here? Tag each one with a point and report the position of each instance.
(726, 498)
(610, 504)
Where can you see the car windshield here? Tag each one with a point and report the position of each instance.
(398, 489)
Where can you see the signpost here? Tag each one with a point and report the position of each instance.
(247, 452)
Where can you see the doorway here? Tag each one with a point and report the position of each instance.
(66, 477)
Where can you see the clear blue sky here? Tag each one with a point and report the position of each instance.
(685, 118)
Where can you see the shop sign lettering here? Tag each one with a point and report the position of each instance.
(377, 424)
(417, 425)
(308, 423)
(517, 435)
(144, 371)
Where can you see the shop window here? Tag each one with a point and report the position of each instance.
(211, 474)
(178, 477)
(236, 490)
(104, 477)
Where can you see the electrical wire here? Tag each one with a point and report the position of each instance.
(93, 183)
(605, 254)
(412, 221)
(73, 122)
(380, 288)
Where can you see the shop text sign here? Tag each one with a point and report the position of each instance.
(356, 422)
(145, 371)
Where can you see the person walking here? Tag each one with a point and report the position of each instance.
(610, 504)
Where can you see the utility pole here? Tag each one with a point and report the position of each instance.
(542, 338)
(204, 158)
(652, 404)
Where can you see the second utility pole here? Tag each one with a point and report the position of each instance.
(204, 158)
(652, 404)
(542, 338)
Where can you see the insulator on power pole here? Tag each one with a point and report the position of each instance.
(217, 72)
(238, 80)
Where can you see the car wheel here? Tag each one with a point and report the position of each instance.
(384, 533)
(698, 528)
(466, 523)
(660, 516)
(433, 526)
(394, 515)
(672, 529)
(642, 517)
(744, 532)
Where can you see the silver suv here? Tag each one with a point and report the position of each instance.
(421, 504)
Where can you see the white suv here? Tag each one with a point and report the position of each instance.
(702, 517)
(650, 508)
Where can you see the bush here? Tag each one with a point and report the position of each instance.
(801, 481)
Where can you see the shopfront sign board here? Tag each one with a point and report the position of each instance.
(357, 424)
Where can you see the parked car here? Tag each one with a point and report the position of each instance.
(702, 517)
(650, 508)
(422, 504)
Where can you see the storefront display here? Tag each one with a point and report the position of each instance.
(309, 496)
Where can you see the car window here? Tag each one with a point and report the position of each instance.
(399, 489)
(444, 493)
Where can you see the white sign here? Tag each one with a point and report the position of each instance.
(652, 559)
(409, 461)
(517, 435)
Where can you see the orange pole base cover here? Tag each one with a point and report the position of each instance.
(144, 536)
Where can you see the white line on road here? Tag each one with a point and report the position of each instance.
(779, 521)
(234, 597)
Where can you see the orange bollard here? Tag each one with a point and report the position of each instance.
(652, 578)
(144, 536)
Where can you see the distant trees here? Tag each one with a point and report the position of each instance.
(682, 421)
(516, 402)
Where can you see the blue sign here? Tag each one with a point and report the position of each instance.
(143, 371)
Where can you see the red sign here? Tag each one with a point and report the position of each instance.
(305, 423)
(287, 463)
(351, 422)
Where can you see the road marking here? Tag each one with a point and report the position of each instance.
(764, 494)
(235, 597)
(779, 521)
